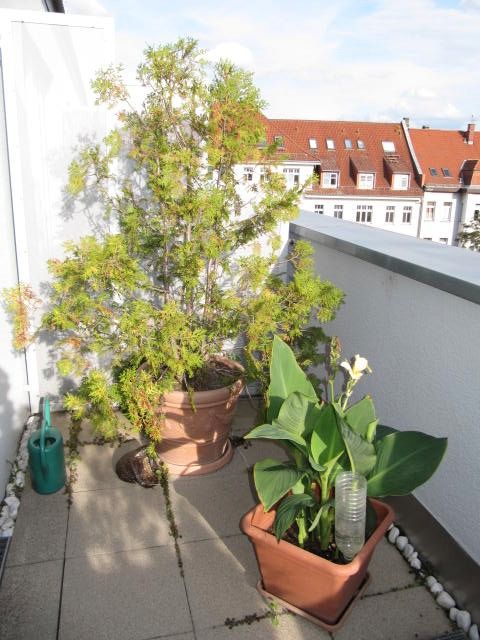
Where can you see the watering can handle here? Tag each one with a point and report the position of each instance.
(43, 429)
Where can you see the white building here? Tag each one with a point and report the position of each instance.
(449, 163)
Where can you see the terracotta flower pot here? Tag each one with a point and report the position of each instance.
(310, 584)
(196, 442)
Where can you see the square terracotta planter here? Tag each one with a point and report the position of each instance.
(311, 584)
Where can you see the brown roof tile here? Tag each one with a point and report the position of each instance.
(438, 150)
(368, 156)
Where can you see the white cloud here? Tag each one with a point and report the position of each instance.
(329, 60)
(237, 53)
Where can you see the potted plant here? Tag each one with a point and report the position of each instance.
(292, 530)
(183, 266)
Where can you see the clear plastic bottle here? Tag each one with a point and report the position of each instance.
(350, 513)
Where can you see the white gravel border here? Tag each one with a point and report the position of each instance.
(460, 617)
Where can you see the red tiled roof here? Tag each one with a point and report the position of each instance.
(296, 135)
(438, 149)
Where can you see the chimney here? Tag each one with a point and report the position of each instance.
(469, 133)
(407, 122)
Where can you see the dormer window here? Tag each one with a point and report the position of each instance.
(330, 179)
(360, 144)
(278, 140)
(400, 181)
(348, 143)
(330, 143)
(446, 172)
(388, 146)
(433, 171)
(366, 180)
(312, 143)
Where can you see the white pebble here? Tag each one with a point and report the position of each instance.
(20, 479)
(415, 563)
(414, 555)
(6, 523)
(10, 490)
(12, 503)
(473, 633)
(393, 535)
(6, 533)
(401, 542)
(445, 600)
(464, 620)
(436, 589)
(407, 551)
(430, 581)
(452, 614)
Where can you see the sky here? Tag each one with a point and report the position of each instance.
(373, 60)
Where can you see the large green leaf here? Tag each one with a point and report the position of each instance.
(285, 378)
(288, 510)
(405, 460)
(383, 430)
(361, 453)
(360, 415)
(274, 479)
(326, 443)
(276, 431)
(299, 414)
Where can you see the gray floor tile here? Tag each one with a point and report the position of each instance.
(289, 627)
(29, 601)
(129, 517)
(221, 576)
(388, 570)
(96, 466)
(408, 614)
(124, 596)
(40, 528)
(211, 506)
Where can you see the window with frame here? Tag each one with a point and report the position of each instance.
(338, 211)
(319, 208)
(433, 171)
(292, 175)
(364, 212)
(430, 211)
(446, 172)
(348, 143)
(330, 143)
(407, 214)
(390, 214)
(443, 240)
(360, 144)
(264, 175)
(447, 211)
(400, 181)
(366, 180)
(278, 140)
(330, 180)
(476, 213)
(248, 174)
(312, 143)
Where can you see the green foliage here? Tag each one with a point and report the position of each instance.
(469, 236)
(326, 438)
(188, 256)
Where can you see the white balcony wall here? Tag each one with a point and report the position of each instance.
(402, 312)
(48, 60)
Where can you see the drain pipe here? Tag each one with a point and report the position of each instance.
(54, 6)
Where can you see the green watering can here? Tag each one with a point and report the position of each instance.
(46, 459)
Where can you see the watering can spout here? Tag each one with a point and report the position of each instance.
(46, 457)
